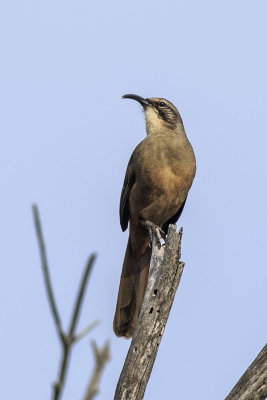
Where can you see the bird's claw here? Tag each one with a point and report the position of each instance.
(154, 231)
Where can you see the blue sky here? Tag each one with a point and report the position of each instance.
(66, 138)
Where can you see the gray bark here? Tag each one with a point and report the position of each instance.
(253, 383)
(163, 281)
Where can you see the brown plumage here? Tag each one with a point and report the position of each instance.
(157, 180)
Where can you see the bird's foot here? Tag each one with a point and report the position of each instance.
(153, 230)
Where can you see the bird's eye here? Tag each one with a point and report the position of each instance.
(162, 104)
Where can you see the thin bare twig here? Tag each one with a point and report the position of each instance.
(47, 279)
(86, 330)
(67, 339)
(80, 295)
(102, 356)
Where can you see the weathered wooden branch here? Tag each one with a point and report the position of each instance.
(253, 383)
(102, 356)
(163, 281)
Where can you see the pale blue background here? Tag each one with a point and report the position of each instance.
(66, 137)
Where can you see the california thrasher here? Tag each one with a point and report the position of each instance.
(157, 180)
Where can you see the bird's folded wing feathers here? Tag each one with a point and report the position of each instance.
(125, 193)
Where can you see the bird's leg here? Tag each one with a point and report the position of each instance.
(153, 229)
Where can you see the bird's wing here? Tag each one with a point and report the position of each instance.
(174, 218)
(125, 193)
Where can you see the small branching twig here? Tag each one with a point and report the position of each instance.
(102, 356)
(85, 331)
(67, 339)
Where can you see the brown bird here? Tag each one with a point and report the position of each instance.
(157, 180)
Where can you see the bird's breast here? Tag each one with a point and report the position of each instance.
(166, 169)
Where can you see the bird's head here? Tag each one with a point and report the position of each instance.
(159, 113)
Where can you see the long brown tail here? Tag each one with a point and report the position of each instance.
(131, 291)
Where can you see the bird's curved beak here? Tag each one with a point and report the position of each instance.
(141, 100)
